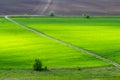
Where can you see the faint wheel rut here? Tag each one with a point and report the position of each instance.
(64, 43)
(46, 6)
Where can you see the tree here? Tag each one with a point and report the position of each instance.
(85, 15)
(37, 65)
(51, 14)
(45, 68)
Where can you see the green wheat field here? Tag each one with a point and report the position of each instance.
(19, 48)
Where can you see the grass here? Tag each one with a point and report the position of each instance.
(99, 34)
(104, 73)
(19, 47)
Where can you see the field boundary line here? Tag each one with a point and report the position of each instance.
(64, 43)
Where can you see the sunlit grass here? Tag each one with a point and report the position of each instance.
(19, 47)
(99, 35)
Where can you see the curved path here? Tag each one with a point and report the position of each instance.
(64, 43)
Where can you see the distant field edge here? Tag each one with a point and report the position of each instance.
(45, 16)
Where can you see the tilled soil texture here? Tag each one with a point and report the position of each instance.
(60, 7)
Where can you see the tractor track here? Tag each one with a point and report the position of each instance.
(46, 7)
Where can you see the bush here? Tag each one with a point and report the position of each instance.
(45, 68)
(37, 65)
(51, 14)
(79, 68)
(85, 16)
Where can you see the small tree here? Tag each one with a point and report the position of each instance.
(37, 65)
(85, 16)
(51, 14)
(45, 68)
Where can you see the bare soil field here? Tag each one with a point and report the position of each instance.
(60, 7)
